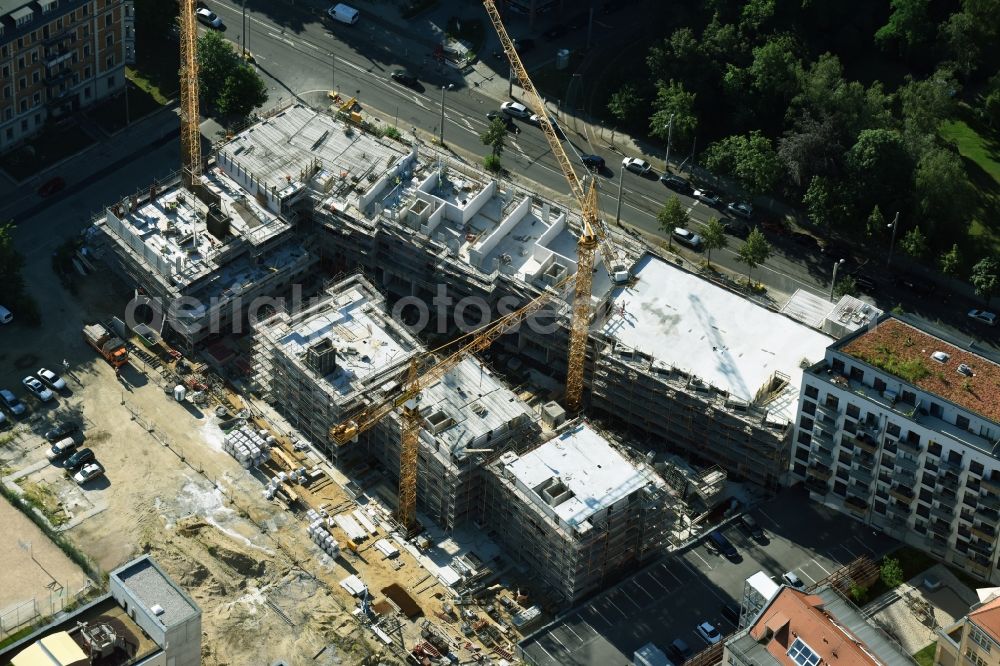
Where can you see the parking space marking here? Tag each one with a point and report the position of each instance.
(657, 581)
(624, 615)
(698, 555)
(675, 577)
(803, 572)
(547, 653)
(864, 545)
(632, 601)
(600, 615)
(644, 591)
(764, 513)
(822, 568)
(552, 636)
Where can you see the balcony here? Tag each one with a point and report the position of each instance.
(988, 514)
(908, 464)
(949, 480)
(903, 494)
(829, 410)
(856, 505)
(814, 485)
(866, 442)
(941, 529)
(991, 483)
(905, 477)
(984, 531)
(943, 513)
(860, 491)
(861, 474)
(820, 454)
(820, 472)
(989, 500)
(898, 510)
(909, 447)
(822, 434)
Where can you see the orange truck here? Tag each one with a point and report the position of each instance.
(107, 344)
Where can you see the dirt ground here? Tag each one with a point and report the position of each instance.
(41, 571)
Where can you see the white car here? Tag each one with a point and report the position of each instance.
(708, 633)
(707, 196)
(209, 18)
(988, 318)
(515, 109)
(89, 471)
(635, 165)
(37, 388)
(54, 381)
(791, 579)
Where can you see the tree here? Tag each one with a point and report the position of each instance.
(944, 196)
(881, 170)
(672, 98)
(625, 104)
(811, 149)
(754, 252)
(891, 572)
(216, 60)
(750, 159)
(672, 216)
(776, 69)
(15, 293)
(242, 92)
(714, 237)
(678, 56)
(951, 261)
(909, 26)
(495, 137)
(985, 277)
(824, 203)
(991, 109)
(876, 224)
(915, 244)
(925, 103)
(846, 286)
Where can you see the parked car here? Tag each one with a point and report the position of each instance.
(61, 431)
(536, 120)
(594, 162)
(708, 633)
(12, 403)
(865, 282)
(515, 109)
(718, 542)
(51, 186)
(61, 449)
(556, 31)
(791, 579)
(3, 419)
(508, 122)
(741, 209)
(676, 183)
(731, 612)
(913, 283)
(707, 196)
(89, 472)
(988, 318)
(54, 381)
(751, 526)
(79, 459)
(737, 228)
(37, 388)
(407, 79)
(5, 315)
(680, 651)
(207, 17)
(688, 238)
(635, 165)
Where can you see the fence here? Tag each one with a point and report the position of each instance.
(61, 597)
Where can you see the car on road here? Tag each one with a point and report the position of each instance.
(913, 283)
(865, 282)
(593, 162)
(89, 472)
(988, 318)
(61, 431)
(556, 31)
(791, 579)
(515, 109)
(54, 381)
(37, 388)
(740, 209)
(61, 449)
(708, 633)
(731, 612)
(508, 122)
(635, 165)
(407, 79)
(536, 120)
(688, 238)
(707, 196)
(676, 183)
(207, 17)
(751, 526)
(79, 459)
(51, 186)
(12, 403)
(680, 651)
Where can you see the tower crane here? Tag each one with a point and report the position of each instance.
(592, 234)
(190, 131)
(422, 374)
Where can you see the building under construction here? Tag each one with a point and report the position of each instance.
(577, 511)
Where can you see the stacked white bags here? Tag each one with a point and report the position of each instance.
(320, 535)
(249, 447)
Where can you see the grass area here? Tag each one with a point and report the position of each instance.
(155, 71)
(110, 114)
(912, 561)
(55, 143)
(925, 657)
(981, 153)
(16, 636)
(46, 501)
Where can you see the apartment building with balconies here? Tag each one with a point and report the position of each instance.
(900, 429)
(58, 56)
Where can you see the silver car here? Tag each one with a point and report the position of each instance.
(52, 379)
(38, 389)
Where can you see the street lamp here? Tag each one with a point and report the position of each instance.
(892, 242)
(443, 90)
(670, 136)
(833, 284)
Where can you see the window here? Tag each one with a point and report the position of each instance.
(10, 132)
(801, 453)
(35, 77)
(878, 384)
(86, 92)
(832, 400)
(976, 468)
(936, 410)
(86, 50)
(853, 411)
(805, 438)
(812, 391)
(108, 19)
(925, 494)
(857, 374)
(5, 71)
(838, 366)
(6, 92)
(109, 63)
(892, 429)
(110, 41)
(111, 82)
(802, 654)
(962, 422)
(20, 62)
(806, 423)
(809, 407)
(86, 72)
(878, 507)
(23, 83)
(840, 488)
(36, 100)
(34, 56)
(24, 107)
(934, 448)
(923, 511)
(24, 125)
(38, 119)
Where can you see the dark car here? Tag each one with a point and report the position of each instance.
(51, 186)
(80, 458)
(679, 651)
(718, 542)
(12, 403)
(676, 183)
(556, 31)
(865, 283)
(508, 122)
(595, 162)
(61, 431)
(731, 612)
(737, 228)
(407, 79)
(917, 285)
(751, 526)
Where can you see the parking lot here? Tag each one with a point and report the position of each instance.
(667, 600)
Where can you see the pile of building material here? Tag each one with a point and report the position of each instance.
(354, 530)
(320, 535)
(250, 447)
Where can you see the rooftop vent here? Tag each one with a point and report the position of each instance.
(157, 609)
(940, 356)
(963, 369)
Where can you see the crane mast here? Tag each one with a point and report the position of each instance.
(190, 132)
(591, 235)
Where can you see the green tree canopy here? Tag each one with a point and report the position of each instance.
(881, 169)
(811, 149)
(985, 277)
(915, 244)
(750, 159)
(672, 98)
(242, 92)
(891, 572)
(944, 196)
(714, 237)
(951, 261)
(672, 215)
(754, 252)
(925, 103)
(910, 26)
(824, 203)
(495, 137)
(216, 61)
(776, 70)
(626, 104)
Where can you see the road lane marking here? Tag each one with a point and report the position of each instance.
(279, 38)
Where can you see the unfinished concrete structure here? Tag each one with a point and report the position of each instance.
(322, 364)
(577, 511)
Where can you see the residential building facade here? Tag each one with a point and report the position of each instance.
(59, 56)
(974, 639)
(899, 429)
